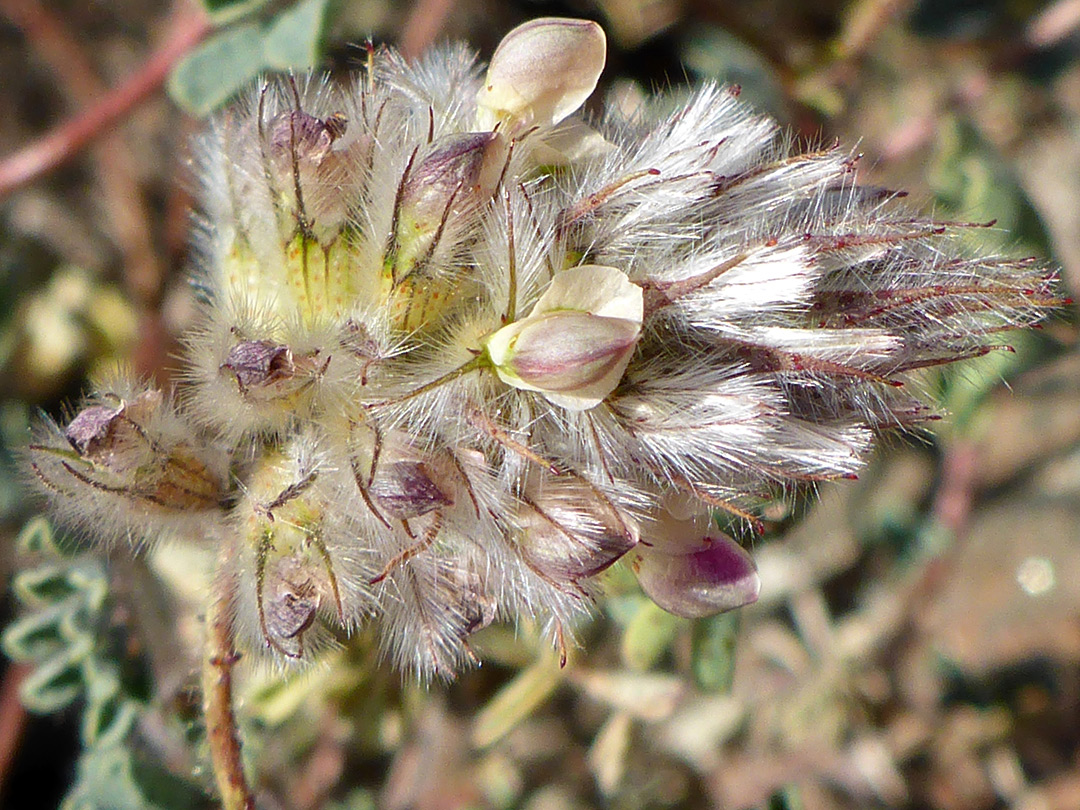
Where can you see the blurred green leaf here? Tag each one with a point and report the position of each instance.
(45, 585)
(713, 656)
(516, 700)
(649, 696)
(649, 635)
(56, 682)
(37, 538)
(105, 781)
(293, 39)
(225, 11)
(609, 752)
(212, 74)
(714, 53)
(358, 799)
(161, 789)
(971, 179)
(109, 721)
(36, 635)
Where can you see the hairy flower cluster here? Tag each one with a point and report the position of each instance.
(463, 351)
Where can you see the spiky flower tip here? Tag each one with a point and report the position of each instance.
(463, 351)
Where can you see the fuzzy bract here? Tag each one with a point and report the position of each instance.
(444, 378)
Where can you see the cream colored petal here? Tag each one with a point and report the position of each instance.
(574, 358)
(541, 72)
(572, 142)
(596, 289)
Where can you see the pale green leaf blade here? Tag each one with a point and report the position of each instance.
(225, 11)
(221, 66)
(294, 38)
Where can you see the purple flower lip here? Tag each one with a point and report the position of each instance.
(720, 577)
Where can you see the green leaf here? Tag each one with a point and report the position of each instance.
(649, 635)
(711, 52)
(516, 701)
(225, 11)
(105, 781)
(212, 74)
(109, 721)
(713, 651)
(293, 39)
(37, 538)
(164, 790)
(36, 635)
(89, 577)
(45, 585)
(56, 682)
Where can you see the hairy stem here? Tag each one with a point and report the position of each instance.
(221, 732)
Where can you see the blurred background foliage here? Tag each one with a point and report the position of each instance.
(917, 644)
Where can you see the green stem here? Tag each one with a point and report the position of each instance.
(471, 365)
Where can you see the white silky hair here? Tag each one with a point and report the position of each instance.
(784, 307)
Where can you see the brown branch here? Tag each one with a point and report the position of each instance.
(423, 25)
(70, 138)
(116, 170)
(12, 717)
(221, 733)
(956, 493)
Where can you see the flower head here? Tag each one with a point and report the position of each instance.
(375, 432)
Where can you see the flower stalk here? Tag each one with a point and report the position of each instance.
(219, 660)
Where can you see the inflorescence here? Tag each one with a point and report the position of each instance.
(461, 350)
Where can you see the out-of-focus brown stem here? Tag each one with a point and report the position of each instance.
(219, 658)
(952, 506)
(12, 717)
(71, 137)
(118, 176)
(423, 26)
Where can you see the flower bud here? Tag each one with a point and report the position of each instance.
(296, 135)
(269, 372)
(290, 601)
(302, 156)
(573, 353)
(541, 72)
(693, 570)
(284, 520)
(93, 429)
(407, 489)
(576, 343)
(460, 174)
(258, 362)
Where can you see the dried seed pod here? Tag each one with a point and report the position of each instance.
(407, 489)
(570, 532)
(259, 363)
(458, 175)
(269, 372)
(290, 601)
(308, 167)
(121, 454)
(124, 464)
(284, 521)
